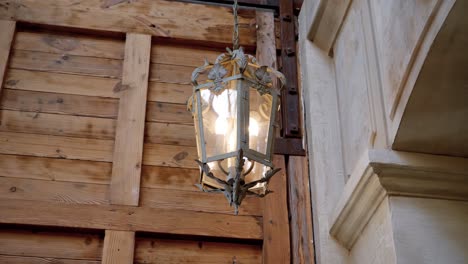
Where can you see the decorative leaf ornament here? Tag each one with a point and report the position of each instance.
(263, 80)
(216, 75)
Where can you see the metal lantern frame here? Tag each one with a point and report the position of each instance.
(247, 74)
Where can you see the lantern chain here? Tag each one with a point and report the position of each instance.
(235, 37)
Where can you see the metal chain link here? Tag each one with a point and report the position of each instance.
(235, 36)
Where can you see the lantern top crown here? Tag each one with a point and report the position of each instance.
(236, 65)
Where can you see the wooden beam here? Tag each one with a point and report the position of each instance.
(7, 32)
(202, 23)
(270, 4)
(275, 208)
(300, 211)
(137, 219)
(290, 95)
(128, 148)
(289, 146)
(119, 247)
(276, 245)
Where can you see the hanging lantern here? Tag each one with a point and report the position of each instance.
(234, 108)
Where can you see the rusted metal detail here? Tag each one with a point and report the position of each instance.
(289, 146)
(289, 97)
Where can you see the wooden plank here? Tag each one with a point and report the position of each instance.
(53, 191)
(169, 92)
(196, 201)
(91, 149)
(38, 260)
(128, 148)
(149, 250)
(71, 44)
(61, 83)
(169, 178)
(58, 125)
(139, 219)
(300, 211)
(118, 247)
(59, 103)
(93, 172)
(169, 113)
(98, 194)
(64, 63)
(275, 213)
(7, 32)
(56, 147)
(169, 155)
(31, 243)
(91, 106)
(201, 22)
(171, 134)
(90, 86)
(171, 73)
(77, 171)
(181, 54)
(276, 245)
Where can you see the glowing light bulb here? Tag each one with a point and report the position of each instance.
(221, 125)
(253, 127)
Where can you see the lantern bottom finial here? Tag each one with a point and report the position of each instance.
(235, 189)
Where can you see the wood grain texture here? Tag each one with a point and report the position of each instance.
(39, 260)
(61, 83)
(58, 125)
(169, 178)
(98, 194)
(300, 210)
(56, 146)
(169, 113)
(52, 82)
(128, 148)
(78, 171)
(276, 244)
(92, 106)
(53, 103)
(169, 92)
(7, 32)
(71, 44)
(118, 247)
(196, 201)
(200, 23)
(184, 55)
(48, 146)
(171, 73)
(64, 63)
(139, 219)
(53, 191)
(170, 155)
(45, 245)
(276, 247)
(171, 134)
(152, 251)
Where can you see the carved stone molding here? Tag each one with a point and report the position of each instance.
(386, 172)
